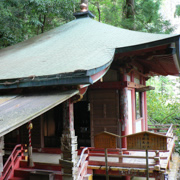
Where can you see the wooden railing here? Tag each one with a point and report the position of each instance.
(125, 158)
(12, 162)
(120, 155)
(162, 128)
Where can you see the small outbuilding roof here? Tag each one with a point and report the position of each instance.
(108, 133)
(78, 49)
(146, 132)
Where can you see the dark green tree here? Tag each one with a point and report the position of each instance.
(144, 16)
(163, 102)
(22, 19)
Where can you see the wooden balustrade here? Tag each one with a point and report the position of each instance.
(158, 159)
(12, 161)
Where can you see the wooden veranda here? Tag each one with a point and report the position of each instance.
(123, 162)
(120, 162)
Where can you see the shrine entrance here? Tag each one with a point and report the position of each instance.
(82, 123)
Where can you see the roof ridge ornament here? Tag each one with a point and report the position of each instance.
(84, 5)
(84, 10)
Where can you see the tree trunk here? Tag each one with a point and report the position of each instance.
(99, 12)
(129, 13)
(44, 21)
(130, 9)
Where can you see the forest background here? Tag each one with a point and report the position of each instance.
(23, 19)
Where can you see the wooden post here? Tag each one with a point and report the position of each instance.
(68, 159)
(147, 166)
(1, 154)
(106, 162)
(120, 158)
(30, 157)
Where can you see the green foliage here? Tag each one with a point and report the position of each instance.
(177, 147)
(163, 103)
(22, 19)
(147, 18)
(110, 11)
(144, 15)
(177, 12)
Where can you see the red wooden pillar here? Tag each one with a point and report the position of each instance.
(142, 99)
(124, 112)
(133, 100)
(145, 110)
(143, 114)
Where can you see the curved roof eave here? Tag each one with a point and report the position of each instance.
(174, 39)
(160, 42)
(81, 47)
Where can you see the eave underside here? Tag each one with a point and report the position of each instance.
(159, 60)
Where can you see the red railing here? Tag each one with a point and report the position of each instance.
(12, 162)
(82, 164)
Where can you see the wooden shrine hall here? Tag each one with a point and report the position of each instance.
(63, 88)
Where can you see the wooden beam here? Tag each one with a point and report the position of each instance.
(146, 88)
(123, 156)
(109, 85)
(120, 85)
(115, 164)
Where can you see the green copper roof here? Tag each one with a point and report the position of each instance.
(82, 45)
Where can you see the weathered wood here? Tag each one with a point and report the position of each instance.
(134, 85)
(66, 163)
(104, 111)
(146, 140)
(147, 165)
(105, 140)
(68, 143)
(1, 153)
(158, 128)
(106, 163)
(109, 85)
(146, 88)
(123, 156)
(116, 164)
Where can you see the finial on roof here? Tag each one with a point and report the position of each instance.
(84, 10)
(84, 5)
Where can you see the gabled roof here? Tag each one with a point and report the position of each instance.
(71, 53)
(146, 132)
(108, 133)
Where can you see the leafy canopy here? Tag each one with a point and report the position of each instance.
(22, 19)
(164, 102)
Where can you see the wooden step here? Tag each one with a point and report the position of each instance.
(43, 166)
(17, 178)
(24, 173)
